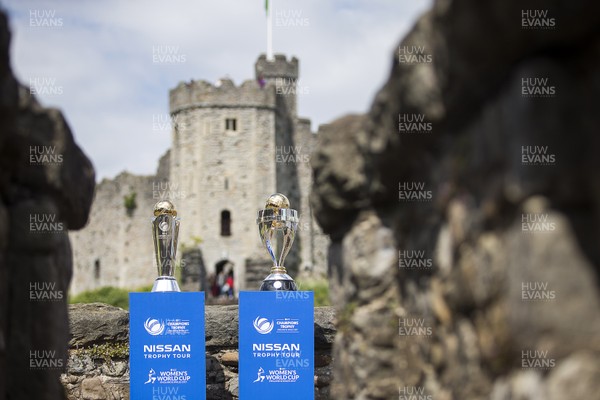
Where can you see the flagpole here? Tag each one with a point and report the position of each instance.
(269, 31)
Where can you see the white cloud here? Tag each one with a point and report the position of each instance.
(102, 59)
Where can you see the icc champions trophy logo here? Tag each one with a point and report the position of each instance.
(263, 325)
(154, 327)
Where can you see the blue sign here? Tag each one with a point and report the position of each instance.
(166, 346)
(276, 340)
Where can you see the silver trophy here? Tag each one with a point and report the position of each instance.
(277, 224)
(165, 231)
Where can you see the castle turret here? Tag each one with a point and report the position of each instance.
(283, 74)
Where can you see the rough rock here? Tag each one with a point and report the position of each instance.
(477, 252)
(35, 257)
(343, 185)
(92, 389)
(324, 326)
(96, 323)
(221, 326)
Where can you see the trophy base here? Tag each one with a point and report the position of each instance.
(165, 284)
(278, 281)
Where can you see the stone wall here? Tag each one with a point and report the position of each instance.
(46, 188)
(236, 172)
(98, 358)
(115, 248)
(464, 260)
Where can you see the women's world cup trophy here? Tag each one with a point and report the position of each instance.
(277, 224)
(165, 232)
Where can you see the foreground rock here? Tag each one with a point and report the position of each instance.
(465, 257)
(46, 188)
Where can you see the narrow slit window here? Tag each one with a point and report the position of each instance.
(97, 269)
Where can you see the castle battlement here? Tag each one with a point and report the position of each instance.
(280, 67)
(224, 94)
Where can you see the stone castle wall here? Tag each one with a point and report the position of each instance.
(313, 242)
(115, 248)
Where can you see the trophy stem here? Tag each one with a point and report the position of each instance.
(165, 284)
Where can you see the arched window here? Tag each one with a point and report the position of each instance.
(225, 223)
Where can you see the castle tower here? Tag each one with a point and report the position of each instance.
(223, 155)
(232, 147)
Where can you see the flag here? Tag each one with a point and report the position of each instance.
(267, 6)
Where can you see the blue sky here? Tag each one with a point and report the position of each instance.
(97, 61)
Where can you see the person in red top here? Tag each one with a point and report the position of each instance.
(229, 285)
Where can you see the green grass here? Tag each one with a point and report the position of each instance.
(320, 289)
(117, 297)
